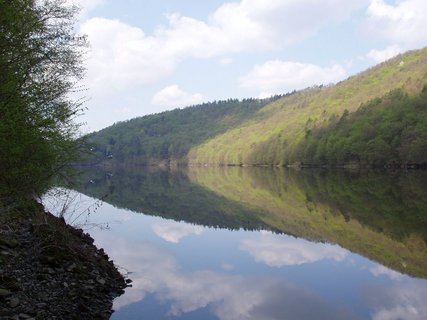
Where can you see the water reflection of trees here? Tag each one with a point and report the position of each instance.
(379, 215)
(382, 216)
(391, 203)
(165, 193)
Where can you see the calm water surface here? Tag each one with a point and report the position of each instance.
(257, 243)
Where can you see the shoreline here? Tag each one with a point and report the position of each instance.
(50, 270)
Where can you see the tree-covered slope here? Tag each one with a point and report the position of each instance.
(390, 130)
(170, 135)
(274, 134)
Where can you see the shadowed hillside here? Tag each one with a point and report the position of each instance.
(168, 136)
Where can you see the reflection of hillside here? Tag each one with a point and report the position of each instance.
(167, 194)
(392, 204)
(381, 217)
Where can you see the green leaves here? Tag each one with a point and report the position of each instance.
(170, 135)
(390, 130)
(40, 64)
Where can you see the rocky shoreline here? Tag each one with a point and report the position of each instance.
(49, 270)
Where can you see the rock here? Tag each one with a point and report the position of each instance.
(4, 292)
(6, 253)
(10, 243)
(71, 267)
(54, 272)
(14, 302)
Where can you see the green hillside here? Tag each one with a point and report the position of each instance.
(377, 117)
(168, 136)
(275, 133)
(390, 130)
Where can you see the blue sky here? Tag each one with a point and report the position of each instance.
(154, 55)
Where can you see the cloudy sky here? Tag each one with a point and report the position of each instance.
(147, 56)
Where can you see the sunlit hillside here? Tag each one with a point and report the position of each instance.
(273, 134)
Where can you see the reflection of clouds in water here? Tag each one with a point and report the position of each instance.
(277, 251)
(399, 302)
(227, 266)
(379, 270)
(156, 272)
(173, 231)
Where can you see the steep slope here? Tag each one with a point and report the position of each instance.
(168, 136)
(391, 131)
(273, 134)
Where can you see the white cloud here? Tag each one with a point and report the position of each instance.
(172, 231)
(227, 266)
(379, 270)
(403, 22)
(226, 61)
(405, 301)
(249, 25)
(407, 312)
(382, 55)
(122, 56)
(276, 251)
(277, 76)
(173, 96)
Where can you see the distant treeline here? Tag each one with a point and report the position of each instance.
(168, 136)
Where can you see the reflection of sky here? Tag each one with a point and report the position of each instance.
(379, 270)
(273, 251)
(174, 231)
(406, 301)
(186, 271)
(229, 296)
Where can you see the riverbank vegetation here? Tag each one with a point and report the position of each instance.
(40, 63)
(49, 270)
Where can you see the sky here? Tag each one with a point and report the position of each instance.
(148, 56)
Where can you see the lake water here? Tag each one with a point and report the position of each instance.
(261, 243)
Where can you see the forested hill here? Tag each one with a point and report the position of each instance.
(377, 117)
(169, 136)
(285, 131)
